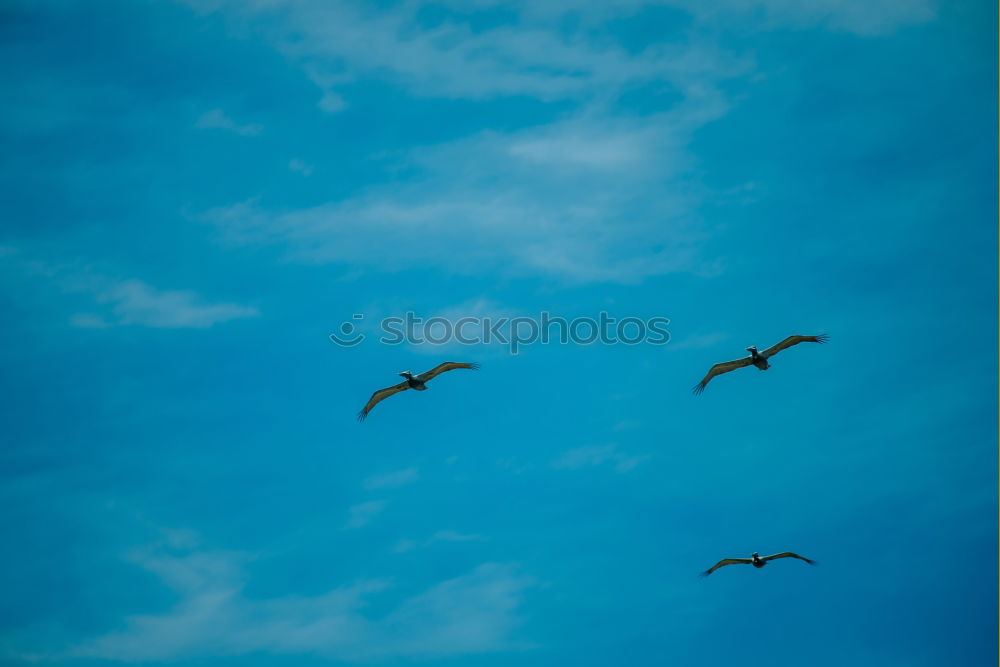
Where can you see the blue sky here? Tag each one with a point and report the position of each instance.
(197, 193)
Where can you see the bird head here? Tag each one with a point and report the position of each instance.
(406, 374)
(752, 349)
(755, 555)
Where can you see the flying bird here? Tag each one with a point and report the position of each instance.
(758, 359)
(412, 381)
(754, 560)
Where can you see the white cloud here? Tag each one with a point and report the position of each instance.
(589, 198)
(600, 152)
(593, 197)
(132, 302)
(494, 202)
(392, 479)
(406, 545)
(136, 303)
(472, 613)
(515, 465)
(338, 42)
(475, 613)
(866, 18)
(598, 455)
(361, 514)
(331, 102)
(216, 119)
(626, 425)
(300, 167)
(698, 341)
(535, 55)
(861, 17)
(88, 321)
(454, 536)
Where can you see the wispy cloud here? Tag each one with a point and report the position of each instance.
(534, 54)
(698, 341)
(626, 425)
(405, 545)
(136, 303)
(88, 321)
(129, 302)
(598, 455)
(868, 18)
(392, 479)
(510, 208)
(515, 465)
(216, 119)
(341, 41)
(454, 536)
(596, 196)
(330, 102)
(472, 613)
(300, 167)
(361, 514)
(861, 17)
(609, 152)
(592, 197)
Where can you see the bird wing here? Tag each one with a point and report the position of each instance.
(793, 340)
(719, 369)
(789, 554)
(379, 395)
(442, 368)
(724, 562)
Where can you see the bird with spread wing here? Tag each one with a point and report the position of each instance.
(754, 560)
(758, 359)
(412, 381)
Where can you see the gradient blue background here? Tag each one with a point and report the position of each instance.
(196, 194)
